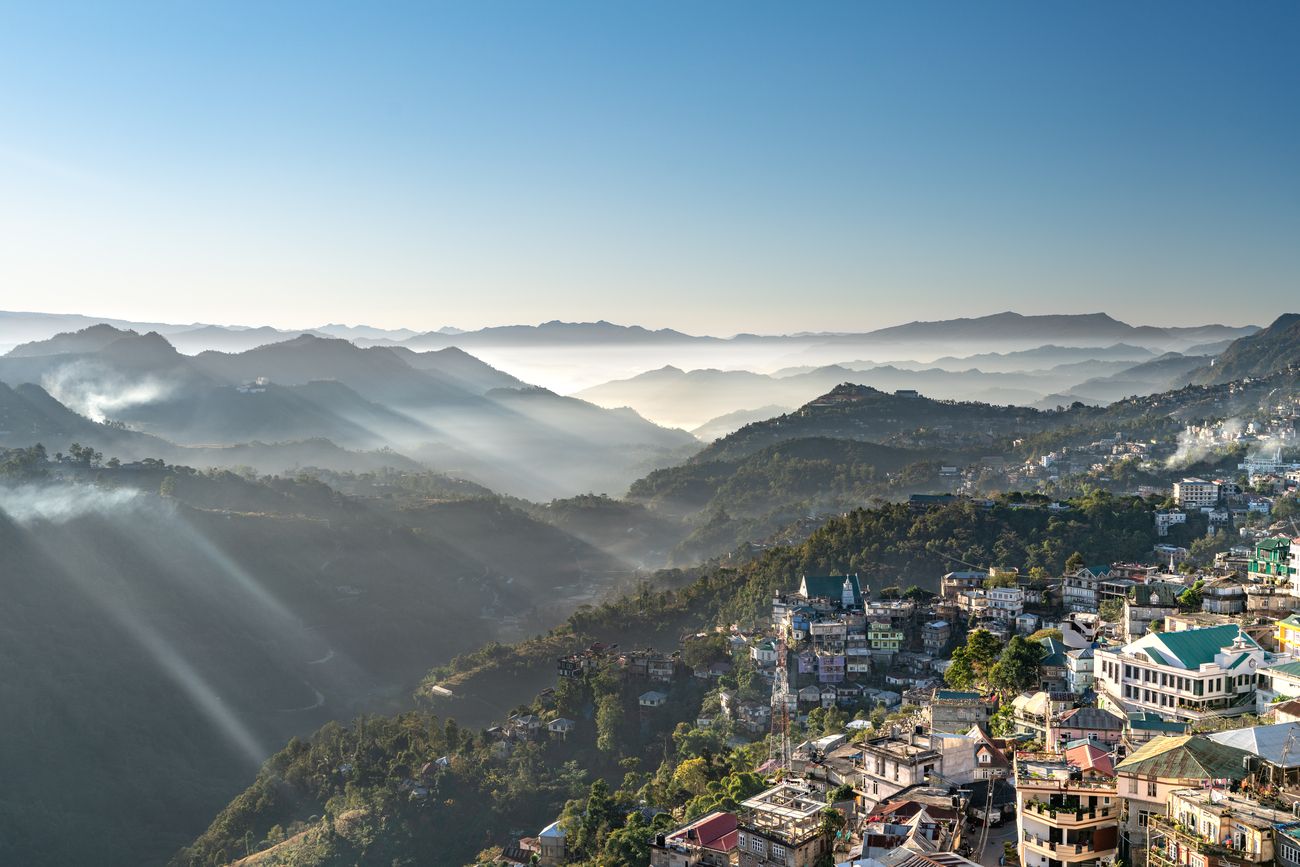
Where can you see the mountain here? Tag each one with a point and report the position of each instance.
(728, 422)
(859, 412)
(1042, 357)
(672, 396)
(1167, 372)
(224, 339)
(553, 333)
(458, 366)
(91, 339)
(1275, 348)
(166, 644)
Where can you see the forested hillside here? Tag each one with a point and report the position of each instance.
(349, 794)
(168, 627)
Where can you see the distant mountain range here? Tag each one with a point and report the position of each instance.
(1271, 350)
(445, 408)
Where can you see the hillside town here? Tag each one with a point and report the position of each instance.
(1116, 715)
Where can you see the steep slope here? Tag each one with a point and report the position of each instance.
(91, 339)
(459, 367)
(165, 644)
(1274, 349)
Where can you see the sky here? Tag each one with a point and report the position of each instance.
(714, 167)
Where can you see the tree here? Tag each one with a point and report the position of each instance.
(609, 717)
(972, 661)
(168, 487)
(1042, 634)
(1191, 598)
(1111, 610)
(1018, 667)
(1002, 579)
(692, 775)
(1074, 563)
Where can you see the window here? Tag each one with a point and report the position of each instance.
(1143, 817)
(1132, 785)
(778, 852)
(1151, 788)
(756, 845)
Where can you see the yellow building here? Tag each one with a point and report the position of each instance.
(1288, 634)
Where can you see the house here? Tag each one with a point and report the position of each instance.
(782, 826)
(1277, 682)
(991, 760)
(652, 699)
(1087, 723)
(1146, 604)
(561, 727)
(1027, 624)
(1080, 629)
(1053, 668)
(1032, 713)
(1081, 589)
(764, 653)
(1273, 562)
(1163, 765)
(1164, 520)
(1187, 675)
(707, 842)
(1006, 603)
(884, 637)
(1225, 595)
(948, 710)
(1142, 726)
(551, 845)
(954, 582)
(935, 636)
(1079, 670)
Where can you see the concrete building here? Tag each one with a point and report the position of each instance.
(1146, 604)
(1182, 675)
(782, 826)
(955, 712)
(1196, 494)
(1067, 808)
(1161, 766)
(1213, 827)
(707, 842)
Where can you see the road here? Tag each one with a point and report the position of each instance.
(997, 836)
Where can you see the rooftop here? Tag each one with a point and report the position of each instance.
(1277, 744)
(1185, 757)
(1242, 809)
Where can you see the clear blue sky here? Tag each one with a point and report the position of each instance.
(714, 166)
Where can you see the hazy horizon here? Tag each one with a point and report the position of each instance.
(425, 165)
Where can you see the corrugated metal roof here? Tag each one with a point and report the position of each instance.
(1195, 647)
(1186, 757)
(1267, 742)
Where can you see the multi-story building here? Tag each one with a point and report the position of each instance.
(1086, 723)
(954, 582)
(1081, 589)
(1165, 520)
(1288, 635)
(895, 762)
(1213, 827)
(707, 842)
(1193, 493)
(953, 711)
(1273, 562)
(782, 826)
(1006, 603)
(884, 637)
(1148, 603)
(1182, 675)
(1159, 767)
(1079, 670)
(1067, 808)
(1226, 595)
(935, 636)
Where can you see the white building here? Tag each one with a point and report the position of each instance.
(1196, 493)
(1184, 675)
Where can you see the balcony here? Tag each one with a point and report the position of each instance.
(1067, 852)
(1067, 816)
(1189, 839)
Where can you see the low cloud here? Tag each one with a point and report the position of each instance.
(99, 393)
(31, 504)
